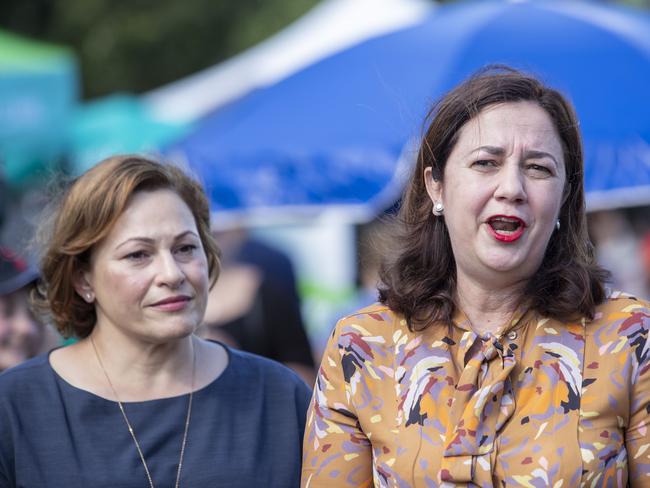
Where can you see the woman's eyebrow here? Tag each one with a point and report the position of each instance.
(494, 150)
(149, 240)
(530, 154)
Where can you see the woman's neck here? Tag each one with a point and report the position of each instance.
(487, 308)
(138, 373)
(141, 370)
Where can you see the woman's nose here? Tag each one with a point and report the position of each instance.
(170, 273)
(511, 185)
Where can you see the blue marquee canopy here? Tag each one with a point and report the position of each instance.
(334, 134)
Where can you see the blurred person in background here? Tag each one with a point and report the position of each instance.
(369, 251)
(255, 305)
(645, 253)
(22, 335)
(4, 203)
(497, 357)
(619, 249)
(140, 400)
(370, 247)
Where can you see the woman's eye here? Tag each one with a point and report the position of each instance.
(136, 256)
(539, 170)
(484, 163)
(187, 249)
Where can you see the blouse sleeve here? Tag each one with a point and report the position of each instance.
(337, 453)
(637, 435)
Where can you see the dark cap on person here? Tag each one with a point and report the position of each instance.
(15, 273)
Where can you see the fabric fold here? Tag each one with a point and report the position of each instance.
(483, 402)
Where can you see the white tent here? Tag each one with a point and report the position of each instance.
(328, 28)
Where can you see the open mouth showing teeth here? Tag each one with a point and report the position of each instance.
(505, 225)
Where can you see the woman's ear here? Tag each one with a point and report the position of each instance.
(82, 286)
(434, 187)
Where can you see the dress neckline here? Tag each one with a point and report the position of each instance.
(519, 318)
(227, 371)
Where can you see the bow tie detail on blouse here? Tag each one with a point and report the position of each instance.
(482, 403)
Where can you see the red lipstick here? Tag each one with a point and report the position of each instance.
(506, 228)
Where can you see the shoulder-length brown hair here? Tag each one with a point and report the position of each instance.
(419, 279)
(85, 215)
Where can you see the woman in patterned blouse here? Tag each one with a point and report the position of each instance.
(496, 356)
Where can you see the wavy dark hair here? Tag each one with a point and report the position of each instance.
(419, 279)
(85, 214)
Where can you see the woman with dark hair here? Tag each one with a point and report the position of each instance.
(139, 400)
(496, 357)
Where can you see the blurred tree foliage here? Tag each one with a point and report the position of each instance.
(137, 45)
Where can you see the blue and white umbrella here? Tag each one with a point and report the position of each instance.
(333, 135)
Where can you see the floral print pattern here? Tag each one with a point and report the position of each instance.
(540, 404)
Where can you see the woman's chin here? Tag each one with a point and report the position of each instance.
(510, 267)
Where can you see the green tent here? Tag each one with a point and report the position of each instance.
(118, 123)
(39, 88)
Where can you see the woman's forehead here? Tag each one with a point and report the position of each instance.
(510, 123)
(153, 215)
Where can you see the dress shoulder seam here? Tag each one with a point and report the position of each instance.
(369, 310)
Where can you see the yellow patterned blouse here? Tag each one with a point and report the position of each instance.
(542, 404)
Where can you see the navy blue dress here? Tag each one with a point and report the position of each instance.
(246, 431)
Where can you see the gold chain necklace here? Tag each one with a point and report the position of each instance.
(132, 432)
